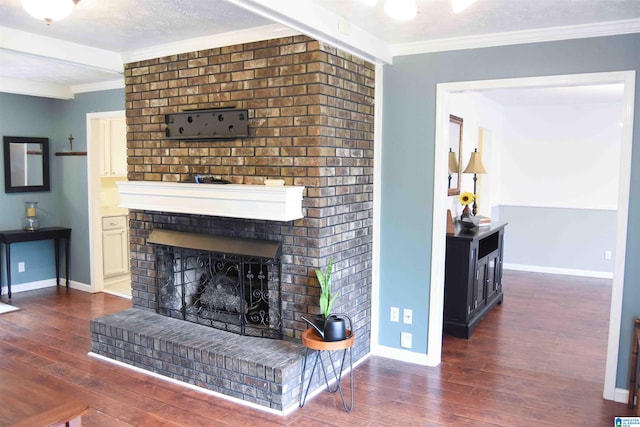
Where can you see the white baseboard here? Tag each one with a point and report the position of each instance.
(48, 283)
(556, 270)
(621, 395)
(403, 355)
(32, 286)
(78, 285)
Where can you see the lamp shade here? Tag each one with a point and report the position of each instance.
(475, 164)
(48, 10)
(453, 162)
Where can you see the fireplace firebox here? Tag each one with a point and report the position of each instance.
(226, 283)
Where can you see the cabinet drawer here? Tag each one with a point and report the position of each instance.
(114, 222)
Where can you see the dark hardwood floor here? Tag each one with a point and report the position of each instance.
(537, 360)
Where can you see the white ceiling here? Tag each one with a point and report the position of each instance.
(87, 49)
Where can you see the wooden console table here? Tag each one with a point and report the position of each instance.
(8, 237)
(26, 404)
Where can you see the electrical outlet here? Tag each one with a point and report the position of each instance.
(395, 314)
(21, 267)
(407, 316)
(607, 255)
(405, 339)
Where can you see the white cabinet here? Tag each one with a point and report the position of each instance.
(113, 161)
(115, 246)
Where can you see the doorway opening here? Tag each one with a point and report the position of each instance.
(444, 91)
(108, 223)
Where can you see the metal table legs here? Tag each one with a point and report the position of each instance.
(337, 374)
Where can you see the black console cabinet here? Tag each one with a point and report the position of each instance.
(473, 277)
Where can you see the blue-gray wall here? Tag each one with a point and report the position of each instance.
(27, 116)
(67, 202)
(71, 117)
(409, 93)
(559, 238)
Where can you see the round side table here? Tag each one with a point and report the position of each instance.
(312, 341)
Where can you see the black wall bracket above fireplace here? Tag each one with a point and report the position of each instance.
(216, 123)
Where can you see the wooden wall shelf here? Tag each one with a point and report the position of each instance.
(71, 153)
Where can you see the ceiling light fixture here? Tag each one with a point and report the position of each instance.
(460, 5)
(403, 10)
(49, 10)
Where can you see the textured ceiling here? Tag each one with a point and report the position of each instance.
(436, 20)
(121, 26)
(45, 70)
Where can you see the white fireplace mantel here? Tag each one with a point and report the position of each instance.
(274, 203)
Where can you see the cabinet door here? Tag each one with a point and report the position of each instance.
(114, 256)
(493, 275)
(105, 148)
(479, 286)
(118, 149)
(113, 161)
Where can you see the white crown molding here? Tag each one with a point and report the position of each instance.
(266, 32)
(95, 87)
(60, 50)
(600, 29)
(51, 90)
(34, 88)
(322, 24)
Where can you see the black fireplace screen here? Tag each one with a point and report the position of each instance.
(239, 294)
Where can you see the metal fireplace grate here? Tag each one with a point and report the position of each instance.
(236, 293)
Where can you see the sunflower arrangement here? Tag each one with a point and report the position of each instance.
(466, 198)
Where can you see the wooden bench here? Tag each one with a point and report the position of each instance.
(29, 404)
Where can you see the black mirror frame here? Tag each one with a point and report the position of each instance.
(8, 188)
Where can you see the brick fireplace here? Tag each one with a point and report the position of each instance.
(311, 115)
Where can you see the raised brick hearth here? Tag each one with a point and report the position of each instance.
(257, 370)
(311, 115)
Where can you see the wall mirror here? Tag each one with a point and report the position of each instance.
(455, 148)
(26, 164)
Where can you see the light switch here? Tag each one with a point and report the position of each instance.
(395, 314)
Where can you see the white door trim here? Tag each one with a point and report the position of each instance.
(627, 78)
(94, 153)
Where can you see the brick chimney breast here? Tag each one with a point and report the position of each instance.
(311, 115)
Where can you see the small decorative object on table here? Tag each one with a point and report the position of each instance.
(465, 200)
(469, 222)
(31, 221)
(483, 221)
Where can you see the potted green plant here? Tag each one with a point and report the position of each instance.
(330, 326)
(326, 298)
